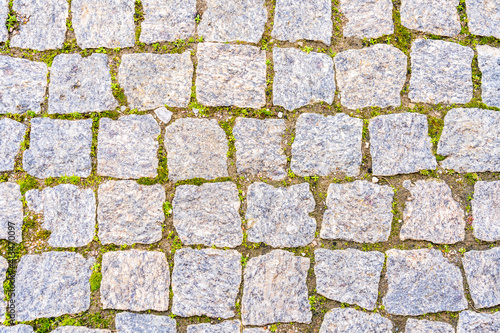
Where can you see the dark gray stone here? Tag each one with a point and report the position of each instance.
(128, 322)
(483, 17)
(367, 19)
(427, 326)
(486, 211)
(17, 329)
(4, 13)
(477, 322)
(78, 329)
(438, 17)
(11, 135)
(11, 212)
(232, 326)
(489, 64)
(482, 271)
(352, 321)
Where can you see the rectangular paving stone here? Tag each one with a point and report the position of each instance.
(4, 13)
(486, 211)
(488, 59)
(349, 320)
(359, 211)
(78, 329)
(231, 75)
(230, 326)
(400, 144)
(471, 140)
(135, 280)
(427, 326)
(21, 328)
(11, 135)
(482, 269)
(11, 212)
(80, 84)
(22, 84)
(437, 17)
(59, 148)
(476, 322)
(128, 322)
(367, 19)
(441, 72)
(4, 265)
(52, 284)
(483, 17)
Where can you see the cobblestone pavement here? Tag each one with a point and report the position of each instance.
(255, 166)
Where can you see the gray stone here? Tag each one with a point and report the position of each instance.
(275, 289)
(259, 148)
(427, 326)
(4, 265)
(441, 72)
(22, 84)
(128, 322)
(167, 20)
(11, 212)
(303, 19)
(279, 216)
(130, 213)
(104, 23)
(231, 75)
(42, 24)
(255, 330)
(349, 276)
(152, 80)
(232, 326)
(486, 211)
(482, 271)
(373, 76)
(367, 19)
(208, 214)
(4, 13)
(352, 321)
(196, 148)
(80, 84)
(477, 322)
(135, 280)
(17, 329)
(234, 20)
(400, 144)
(438, 17)
(205, 282)
(488, 59)
(432, 214)
(78, 329)
(422, 281)
(59, 148)
(52, 284)
(329, 144)
(163, 114)
(128, 147)
(471, 140)
(302, 78)
(11, 136)
(483, 17)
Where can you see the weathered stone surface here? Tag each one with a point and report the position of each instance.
(258, 147)
(80, 84)
(167, 20)
(163, 114)
(235, 20)
(104, 23)
(349, 276)
(128, 147)
(280, 216)
(489, 64)
(438, 17)
(352, 321)
(476, 322)
(367, 19)
(231, 326)
(11, 212)
(52, 284)
(42, 24)
(17, 329)
(486, 211)
(255, 330)
(400, 144)
(78, 329)
(302, 78)
(130, 213)
(483, 17)
(152, 80)
(422, 281)
(196, 148)
(128, 322)
(59, 148)
(4, 13)
(208, 214)
(11, 135)
(135, 280)
(4, 265)
(482, 271)
(427, 326)
(205, 282)
(231, 75)
(471, 140)
(329, 144)
(441, 72)
(275, 289)
(303, 19)
(373, 76)
(22, 84)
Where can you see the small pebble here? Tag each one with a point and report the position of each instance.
(374, 180)
(280, 114)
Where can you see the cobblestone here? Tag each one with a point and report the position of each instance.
(11, 135)
(232, 326)
(486, 211)
(438, 17)
(489, 64)
(78, 329)
(367, 19)
(476, 322)
(482, 271)
(4, 13)
(352, 321)
(427, 326)
(17, 329)
(11, 211)
(128, 322)
(483, 17)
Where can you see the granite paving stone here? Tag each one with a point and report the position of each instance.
(11, 212)
(486, 211)
(21, 328)
(353, 321)
(4, 13)
(367, 19)
(11, 135)
(488, 59)
(79, 329)
(164, 114)
(482, 271)
(427, 326)
(477, 322)
(255, 330)
(128, 322)
(4, 265)
(483, 17)
(231, 326)
(437, 17)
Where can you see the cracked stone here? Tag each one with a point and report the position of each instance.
(474, 322)
(483, 17)
(4, 13)
(78, 329)
(489, 65)
(11, 136)
(4, 265)
(164, 114)
(11, 212)
(427, 326)
(231, 326)
(128, 322)
(482, 269)
(352, 321)
(367, 19)
(486, 211)
(17, 329)
(438, 17)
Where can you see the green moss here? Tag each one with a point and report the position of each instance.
(96, 277)
(27, 183)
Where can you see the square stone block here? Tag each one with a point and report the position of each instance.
(486, 211)
(129, 322)
(483, 17)
(437, 17)
(11, 135)
(232, 326)
(367, 19)
(476, 322)
(489, 64)
(427, 326)
(349, 320)
(11, 212)
(482, 269)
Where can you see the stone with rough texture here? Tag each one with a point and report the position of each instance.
(130, 213)
(489, 64)
(205, 282)
(164, 114)
(471, 140)
(348, 320)
(11, 136)
(279, 216)
(302, 78)
(373, 76)
(422, 281)
(152, 80)
(78, 329)
(441, 72)
(438, 17)
(52, 284)
(167, 20)
(255, 330)
(482, 271)
(196, 148)
(329, 144)
(59, 148)
(232, 326)
(128, 322)
(275, 289)
(4, 265)
(42, 24)
(486, 211)
(104, 23)
(11, 212)
(80, 84)
(349, 276)
(135, 280)
(474, 322)
(22, 83)
(483, 17)
(258, 147)
(208, 214)
(128, 147)
(17, 329)
(4, 13)
(231, 75)
(400, 144)
(427, 326)
(367, 19)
